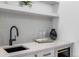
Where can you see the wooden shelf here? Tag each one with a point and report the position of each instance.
(17, 9)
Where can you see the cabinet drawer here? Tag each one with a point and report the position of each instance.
(46, 53)
(31, 55)
(42, 53)
(25, 55)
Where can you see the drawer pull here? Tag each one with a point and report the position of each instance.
(35, 55)
(47, 54)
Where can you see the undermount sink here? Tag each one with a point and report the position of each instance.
(15, 49)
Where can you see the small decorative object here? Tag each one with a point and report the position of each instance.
(53, 34)
(27, 3)
(41, 40)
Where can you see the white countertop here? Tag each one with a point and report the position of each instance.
(34, 46)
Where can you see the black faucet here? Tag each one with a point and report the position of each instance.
(10, 41)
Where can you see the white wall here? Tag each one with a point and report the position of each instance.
(69, 23)
(29, 25)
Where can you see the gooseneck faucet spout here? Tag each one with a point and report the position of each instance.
(17, 34)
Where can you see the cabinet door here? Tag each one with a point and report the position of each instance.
(30, 55)
(46, 53)
(26, 55)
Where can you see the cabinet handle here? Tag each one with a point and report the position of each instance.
(47, 54)
(35, 55)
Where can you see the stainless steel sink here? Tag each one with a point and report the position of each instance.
(15, 49)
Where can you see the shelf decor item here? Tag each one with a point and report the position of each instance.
(25, 3)
(53, 34)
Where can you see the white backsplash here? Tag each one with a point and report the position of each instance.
(29, 25)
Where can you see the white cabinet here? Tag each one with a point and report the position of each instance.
(42, 53)
(34, 54)
(46, 53)
(53, 52)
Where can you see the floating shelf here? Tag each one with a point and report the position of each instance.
(51, 2)
(18, 9)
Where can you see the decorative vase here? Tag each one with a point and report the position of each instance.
(53, 34)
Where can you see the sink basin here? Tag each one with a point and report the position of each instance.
(15, 49)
